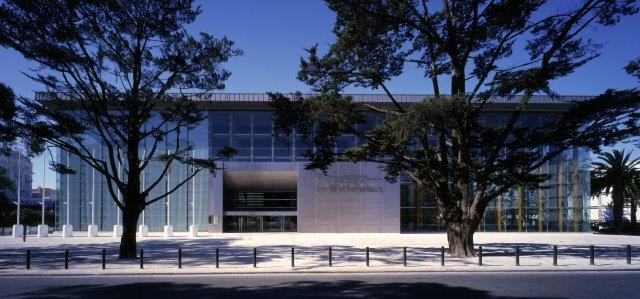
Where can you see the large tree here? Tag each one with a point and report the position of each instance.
(443, 142)
(8, 113)
(109, 67)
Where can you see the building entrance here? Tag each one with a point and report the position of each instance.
(259, 201)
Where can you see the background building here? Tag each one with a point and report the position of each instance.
(11, 163)
(50, 197)
(266, 188)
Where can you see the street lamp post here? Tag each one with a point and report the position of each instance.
(43, 229)
(168, 228)
(143, 230)
(67, 229)
(17, 229)
(117, 228)
(193, 229)
(92, 230)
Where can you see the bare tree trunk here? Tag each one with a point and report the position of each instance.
(460, 238)
(128, 246)
(618, 207)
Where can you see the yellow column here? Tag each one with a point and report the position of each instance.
(540, 203)
(575, 195)
(561, 195)
(520, 203)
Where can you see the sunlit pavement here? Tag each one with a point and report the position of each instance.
(273, 252)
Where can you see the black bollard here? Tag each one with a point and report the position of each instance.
(404, 256)
(592, 255)
(66, 258)
(442, 256)
(104, 258)
(217, 257)
(179, 258)
(255, 257)
(555, 255)
(330, 257)
(367, 256)
(480, 256)
(141, 258)
(628, 254)
(28, 258)
(517, 255)
(293, 257)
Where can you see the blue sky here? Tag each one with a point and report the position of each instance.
(273, 35)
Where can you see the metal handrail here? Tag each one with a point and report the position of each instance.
(362, 98)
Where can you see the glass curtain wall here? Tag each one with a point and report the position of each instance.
(558, 204)
(155, 216)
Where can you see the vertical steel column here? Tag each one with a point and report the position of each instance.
(404, 256)
(141, 258)
(367, 253)
(217, 257)
(255, 257)
(293, 264)
(66, 258)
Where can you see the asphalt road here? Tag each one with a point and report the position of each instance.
(607, 285)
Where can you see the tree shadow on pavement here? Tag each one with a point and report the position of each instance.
(299, 289)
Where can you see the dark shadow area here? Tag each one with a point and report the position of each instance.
(299, 289)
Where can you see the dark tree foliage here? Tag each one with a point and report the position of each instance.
(8, 135)
(112, 69)
(8, 113)
(469, 44)
(633, 68)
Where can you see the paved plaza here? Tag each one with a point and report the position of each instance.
(273, 250)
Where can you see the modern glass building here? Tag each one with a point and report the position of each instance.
(265, 188)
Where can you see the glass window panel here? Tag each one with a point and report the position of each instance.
(262, 141)
(220, 122)
(262, 122)
(242, 141)
(242, 122)
(283, 152)
(243, 152)
(262, 153)
(300, 152)
(302, 143)
(219, 140)
(282, 142)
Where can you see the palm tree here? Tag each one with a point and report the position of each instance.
(615, 174)
(634, 195)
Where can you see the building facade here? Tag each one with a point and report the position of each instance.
(265, 188)
(19, 170)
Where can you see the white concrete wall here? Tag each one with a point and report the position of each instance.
(349, 198)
